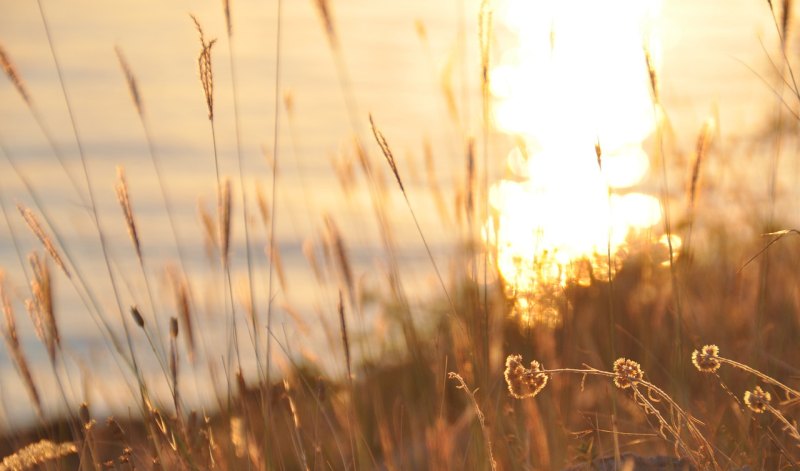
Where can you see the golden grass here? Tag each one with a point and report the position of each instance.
(396, 409)
(37, 454)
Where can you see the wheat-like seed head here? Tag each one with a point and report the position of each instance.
(226, 5)
(47, 242)
(133, 87)
(13, 75)
(124, 200)
(325, 12)
(204, 66)
(387, 152)
(41, 306)
(181, 293)
(652, 74)
(224, 214)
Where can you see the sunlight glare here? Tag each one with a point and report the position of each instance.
(573, 76)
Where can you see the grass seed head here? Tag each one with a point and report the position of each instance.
(137, 317)
(204, 66)
(524, 382)
(627, 373)
(13, 75)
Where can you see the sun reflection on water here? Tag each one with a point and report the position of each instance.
(573, 81)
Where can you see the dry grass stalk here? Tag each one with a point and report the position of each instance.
(652, 73)
(274, 256)
(47, 242)
(598, 151)
(41, 307)
(485, 36)
(786, 18)
(211, 233)
(345, 338)
(703, 142)
(224, 215)
(13, 75)
(296, 422)
(325, 13)
(173, 363)
(336, 243)
(37, 454)
(470, 194)
(130, 79)
(204, 65)
(263, 207)
(181, 293)
(226, 5)
(481, 419)
(311, 255)
(387, 152)
(15, 349)
(124, 200)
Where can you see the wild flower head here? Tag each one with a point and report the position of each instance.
(757, 400)
(706, 359)
(627, 373)
(524, 382)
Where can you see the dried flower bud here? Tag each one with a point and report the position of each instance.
(706, 359)
(627, 373)
(757, 400)
(524, 382)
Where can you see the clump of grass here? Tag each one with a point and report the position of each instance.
(673, 422)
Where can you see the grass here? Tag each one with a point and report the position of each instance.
(683, 360)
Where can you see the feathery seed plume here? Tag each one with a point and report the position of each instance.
(204, 65)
